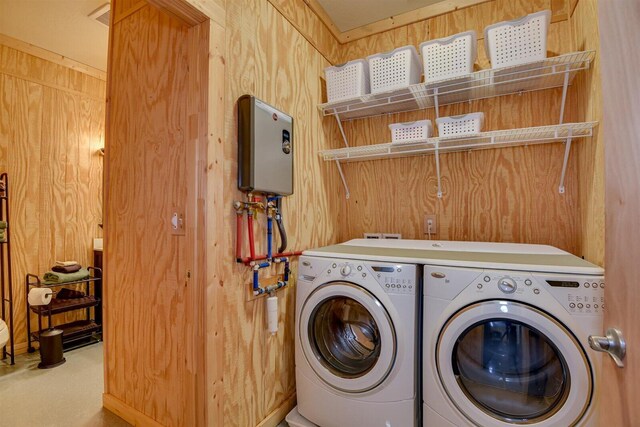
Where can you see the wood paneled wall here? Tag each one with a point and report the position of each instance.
(156, 148)
(267, 57)
(506, 195)
(51, 128)
(587, 94)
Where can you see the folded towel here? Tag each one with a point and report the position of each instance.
(53, 277)
(65, 293)
(66, 263)
(3, 224)
(66, 269)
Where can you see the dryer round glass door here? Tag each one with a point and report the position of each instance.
(347, 337)
(505, 363)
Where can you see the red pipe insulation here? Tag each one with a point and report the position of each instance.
(239, 235)
(252, 247)
(263, 257)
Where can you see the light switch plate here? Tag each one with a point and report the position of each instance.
(176, 223)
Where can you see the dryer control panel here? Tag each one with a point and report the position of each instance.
(577, 294)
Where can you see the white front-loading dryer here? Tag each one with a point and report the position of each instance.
(510, 347)
(357, 342)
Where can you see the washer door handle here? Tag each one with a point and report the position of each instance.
(613, 344)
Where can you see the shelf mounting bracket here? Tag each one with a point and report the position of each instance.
(567, 150)
(344, 181)
(438, 168)
(565, 86)
(344, 137)
(436, 104)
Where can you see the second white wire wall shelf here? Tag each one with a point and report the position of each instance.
(484, 140)
(551, 72)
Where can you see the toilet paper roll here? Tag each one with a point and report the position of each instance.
(40, 296)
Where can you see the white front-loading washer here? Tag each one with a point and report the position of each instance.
(357, 342)
(507, 344)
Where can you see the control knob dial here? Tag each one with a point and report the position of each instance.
(345, 270)
(507, 285)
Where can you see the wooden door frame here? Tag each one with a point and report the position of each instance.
(204, 155)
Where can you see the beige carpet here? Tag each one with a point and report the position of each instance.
(69, 395)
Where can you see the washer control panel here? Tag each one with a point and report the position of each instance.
(393, 278)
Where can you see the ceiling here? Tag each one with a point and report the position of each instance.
(60, 26)
(350, 14)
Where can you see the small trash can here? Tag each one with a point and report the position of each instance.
(51, 354)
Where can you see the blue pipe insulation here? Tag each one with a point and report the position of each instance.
(286, 270)
(269, 237)
(256, 284)
(256, 279)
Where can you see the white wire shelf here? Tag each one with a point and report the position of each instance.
(483, 140)
(552, 72)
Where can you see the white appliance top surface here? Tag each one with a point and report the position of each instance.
(502, 256)
(447, 245)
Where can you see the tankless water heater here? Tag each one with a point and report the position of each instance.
(265, 148)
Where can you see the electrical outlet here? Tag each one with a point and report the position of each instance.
(430, 224)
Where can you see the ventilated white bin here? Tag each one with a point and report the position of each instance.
(459, 126)
(519, 41)
(411, 131)
(394, 70)
(449, 57)
(348, 80)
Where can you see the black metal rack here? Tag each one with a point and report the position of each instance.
(6, 282)
(77, 333)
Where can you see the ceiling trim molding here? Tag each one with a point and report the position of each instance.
(325, 18)
(52, 57)
(407, 18)
(392, 22)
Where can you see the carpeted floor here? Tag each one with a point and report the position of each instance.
(69, 395)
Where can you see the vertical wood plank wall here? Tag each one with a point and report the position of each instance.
(587, 90)
(51, 128)
(156, 146)
(267, 57)
(508, 195)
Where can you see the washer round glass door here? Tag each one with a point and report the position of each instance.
(347, 337)
(505, 363)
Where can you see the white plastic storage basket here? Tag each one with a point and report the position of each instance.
(449, 57)
(411, 131)
(348, 80)
(519, 41)
(458, 126)
(394, 70)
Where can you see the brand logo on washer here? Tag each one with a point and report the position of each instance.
(438, 275)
